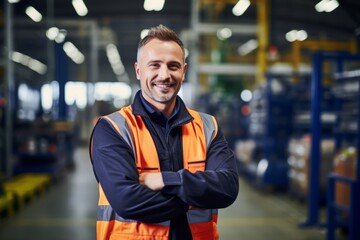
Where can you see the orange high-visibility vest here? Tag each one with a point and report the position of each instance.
(196, 137)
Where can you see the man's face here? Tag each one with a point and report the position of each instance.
(161, 71)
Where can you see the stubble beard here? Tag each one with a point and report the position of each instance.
(162, 99)
(167, 95)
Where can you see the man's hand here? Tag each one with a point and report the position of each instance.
(153, 181)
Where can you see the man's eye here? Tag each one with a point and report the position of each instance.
(154, 65)
(174, 67)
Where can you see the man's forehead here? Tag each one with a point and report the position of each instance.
(164, 47)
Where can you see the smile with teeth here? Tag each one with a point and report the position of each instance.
(163, 85)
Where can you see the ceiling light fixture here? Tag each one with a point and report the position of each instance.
(34, 14)
(296, 35)
(55, 34)
(73, 53)
(224, 33)
(326, 5)
(154, 5)
(29, 62)
(114, 58)
(52, 32)
(248, 47)
(144, 33)
(80, 7)
(240, 7)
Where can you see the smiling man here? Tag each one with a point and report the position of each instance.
(163, 169)
(161, 69)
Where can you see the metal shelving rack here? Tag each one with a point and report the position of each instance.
(316, 96)
(348, 131)
(269, 128)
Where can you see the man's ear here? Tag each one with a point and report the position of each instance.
(137, 70)
(185, 69)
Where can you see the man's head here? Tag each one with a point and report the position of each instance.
(162, 33)
(160, 67)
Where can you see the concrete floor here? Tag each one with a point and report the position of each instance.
(67, 212)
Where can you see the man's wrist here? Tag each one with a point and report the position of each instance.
(171, 178)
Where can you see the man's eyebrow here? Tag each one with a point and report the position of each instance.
(159, 61)
(175, 62)
(153, 61)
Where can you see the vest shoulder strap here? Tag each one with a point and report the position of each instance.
(119, 123)
(209, 123)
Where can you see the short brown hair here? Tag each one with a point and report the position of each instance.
(162, 33)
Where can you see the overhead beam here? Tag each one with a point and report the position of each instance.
(249, 29)
(227, 69)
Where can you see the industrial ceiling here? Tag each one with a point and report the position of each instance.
(120, 23)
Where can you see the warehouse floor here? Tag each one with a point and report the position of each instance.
(68, 208)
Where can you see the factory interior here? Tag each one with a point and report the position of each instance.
(280, 76)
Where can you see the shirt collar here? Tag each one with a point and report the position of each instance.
(157, 115)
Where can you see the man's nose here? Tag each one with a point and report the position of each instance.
(164, 73)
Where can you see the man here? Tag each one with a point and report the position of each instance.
(163, 169)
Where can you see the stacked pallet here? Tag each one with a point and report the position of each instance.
(22, 188)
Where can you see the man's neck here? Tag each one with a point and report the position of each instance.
(165, 108)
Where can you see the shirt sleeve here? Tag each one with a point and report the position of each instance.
(216, 187)
(115, 169)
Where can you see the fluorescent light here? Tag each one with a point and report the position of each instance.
(326, 5)
(16, 57)
(144, 33)
(52, 32)
(13, 1)
(114, 58)
(113, 54)
(76, 92)
(120, 90)
(296, 35)
(46, 93)
(331, 6)
(154, 5)
(37, 66)
(34, 14)
(29, 62)
(55, 34)
(240, 7)
(301, 35)
(291, 35)
(105, 91)
(224, 33)
(80, 7)
(73, 53)
(248, 47)
(60, 37)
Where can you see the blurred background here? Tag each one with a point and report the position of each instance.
(281, 76)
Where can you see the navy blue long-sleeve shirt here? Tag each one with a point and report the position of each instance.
(115, 169)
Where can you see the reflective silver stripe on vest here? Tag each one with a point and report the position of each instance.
(209, 127)
(199, 216)
(121, 123)
(106, 213)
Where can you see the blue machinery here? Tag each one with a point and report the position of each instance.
(314, 196)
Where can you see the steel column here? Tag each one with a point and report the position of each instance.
(9, 91)
(315, 151)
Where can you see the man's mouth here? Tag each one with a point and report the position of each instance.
(163, 85)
